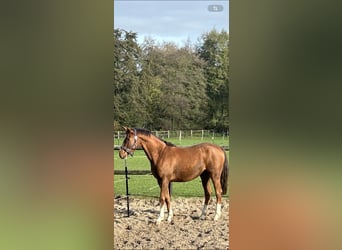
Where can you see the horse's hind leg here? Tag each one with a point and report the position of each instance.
(207, 190)
(218, 191)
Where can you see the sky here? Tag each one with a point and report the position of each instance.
(170, 20)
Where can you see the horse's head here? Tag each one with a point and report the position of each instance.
(129, 144)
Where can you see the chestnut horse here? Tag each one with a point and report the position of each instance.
(170, 163)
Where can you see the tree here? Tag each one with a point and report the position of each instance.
(128, 101)
(214, 51)
(174, 77)
(163, 86)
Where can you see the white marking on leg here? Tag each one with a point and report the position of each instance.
(169, 218)
(161, 215)
(218, 211)
(204, 212)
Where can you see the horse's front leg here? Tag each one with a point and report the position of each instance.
(161, 202)
(161, 214)
(165, 198)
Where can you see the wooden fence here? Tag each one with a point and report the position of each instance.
(133, 172)
(179, 134)
(117, 147)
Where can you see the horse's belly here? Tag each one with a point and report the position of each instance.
(187, 173)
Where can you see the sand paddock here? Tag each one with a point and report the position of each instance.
(186, 231)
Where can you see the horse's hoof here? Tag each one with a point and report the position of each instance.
(159, 220)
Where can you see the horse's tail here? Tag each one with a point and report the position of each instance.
(224, 174)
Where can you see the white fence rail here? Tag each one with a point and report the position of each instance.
(198, 135)
(179, 134)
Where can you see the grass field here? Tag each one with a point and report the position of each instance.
(146, 185)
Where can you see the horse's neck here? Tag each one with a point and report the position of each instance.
(152, 147)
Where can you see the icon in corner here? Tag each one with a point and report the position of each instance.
(215, 8)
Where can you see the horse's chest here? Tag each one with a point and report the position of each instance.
(153, 169)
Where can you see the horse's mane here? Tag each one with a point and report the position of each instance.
(148, 133)
(168, 143)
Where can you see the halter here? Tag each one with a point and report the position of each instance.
(128, 150)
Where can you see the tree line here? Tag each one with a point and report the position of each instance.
(162, 86)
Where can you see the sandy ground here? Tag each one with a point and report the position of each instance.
(186, 231)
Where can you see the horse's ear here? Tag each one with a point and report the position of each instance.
(127, 129)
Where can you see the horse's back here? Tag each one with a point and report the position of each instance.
(204, 149)
(198, 150)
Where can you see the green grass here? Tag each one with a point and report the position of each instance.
(138, 162)
(146, 185)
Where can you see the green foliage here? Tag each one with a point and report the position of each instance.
(168, 87)
(175, 81)
(214, 51)
(128, 101)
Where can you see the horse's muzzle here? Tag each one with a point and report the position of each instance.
(123, 154)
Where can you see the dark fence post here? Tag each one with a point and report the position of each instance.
(127, 193)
